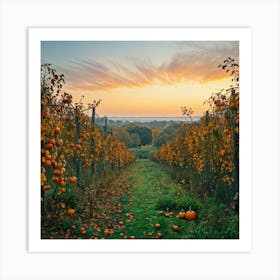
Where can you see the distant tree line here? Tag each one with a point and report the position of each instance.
(133, 135)
(137, 134)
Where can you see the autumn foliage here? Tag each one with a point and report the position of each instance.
(205, 155)
(73, 148)
(84, 194)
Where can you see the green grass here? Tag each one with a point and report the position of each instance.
(145, 193)
(144, 152)
(154, 192)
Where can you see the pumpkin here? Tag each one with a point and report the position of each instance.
(191, 215)
(72, 179)
(71, 212)
(181, 215)
(57, 130)
(175, 228)
(47, 188)
(48, 162)
(169, 214)
(49, 146)
(159, 235)
(48, 156)
(62, 183)
(157, 225)
(55, 179)
(56, 172)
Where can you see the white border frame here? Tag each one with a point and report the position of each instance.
(262, 16)
(243, 35)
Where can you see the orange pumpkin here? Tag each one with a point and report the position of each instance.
(48, 162)
(62, 183)
(47, 188)
(191, 215)
(169, 214)
(49, 146)
(159, 235)
(175, 228)
(56, 172)
(181, 215)
(72, 179)
(48, 156)
(54, 179)
(57, 130)
(157, 225)
(71, 212)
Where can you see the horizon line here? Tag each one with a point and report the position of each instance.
(199, 116)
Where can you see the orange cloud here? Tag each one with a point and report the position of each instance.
(197, 62)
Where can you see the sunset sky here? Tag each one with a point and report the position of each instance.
(141, 78)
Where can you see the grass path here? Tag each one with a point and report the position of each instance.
(153, 193)
(152, 190)
(138, 199)
(149, 183)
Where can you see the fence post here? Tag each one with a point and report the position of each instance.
(92, 140)
(207, 167)
(105, 123)
(235, 140)
(77, 136)
(43, 209)
(93, 115)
